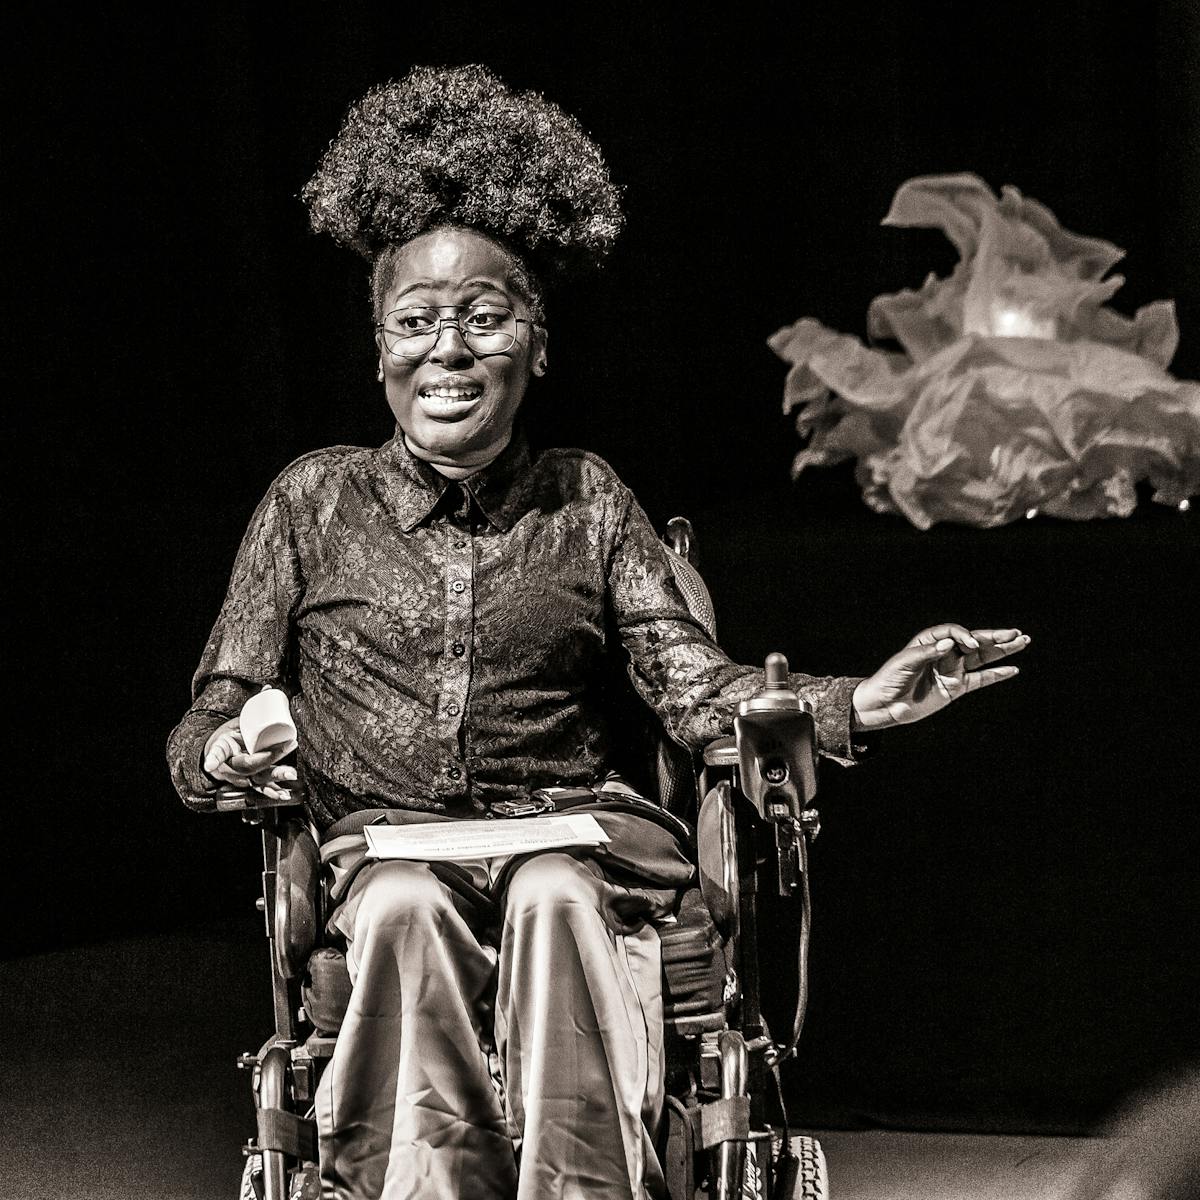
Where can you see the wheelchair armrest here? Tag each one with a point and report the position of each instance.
(721, 752)
(247, 800)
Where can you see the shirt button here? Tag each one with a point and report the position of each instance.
(454, 772)
(458, 586)
(460, 544)
(452, 709)
(459, 649)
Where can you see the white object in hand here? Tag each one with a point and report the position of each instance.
(266, 723)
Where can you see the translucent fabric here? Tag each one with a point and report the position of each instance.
(1013, 389)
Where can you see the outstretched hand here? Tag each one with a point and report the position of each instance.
(226, 761)
(938, 665)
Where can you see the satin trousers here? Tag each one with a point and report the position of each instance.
(563, 1003)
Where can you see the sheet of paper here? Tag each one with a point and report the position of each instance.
(266, 722)
(437, 841)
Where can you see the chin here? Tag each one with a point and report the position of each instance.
(446, 439)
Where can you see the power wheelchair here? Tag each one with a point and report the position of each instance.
(725, 1132)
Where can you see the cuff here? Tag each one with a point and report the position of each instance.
(834, 717)
(185, 750)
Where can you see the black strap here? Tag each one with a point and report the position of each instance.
(786, 1145)
(801, 965)
(639, 806)
(279, 1129)
(726, 1120)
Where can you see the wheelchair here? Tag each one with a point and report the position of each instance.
(724, 1134)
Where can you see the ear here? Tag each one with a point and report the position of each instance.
(540, 337)
(379, 364)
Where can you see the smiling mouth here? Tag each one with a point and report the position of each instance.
(450, 393)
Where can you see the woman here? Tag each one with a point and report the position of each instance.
(443, 611)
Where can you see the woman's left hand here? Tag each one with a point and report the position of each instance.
(937, 666)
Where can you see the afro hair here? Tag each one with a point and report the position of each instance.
(454, 146)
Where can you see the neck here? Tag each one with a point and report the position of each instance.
(461, 466)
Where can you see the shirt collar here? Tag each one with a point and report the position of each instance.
(501, 489)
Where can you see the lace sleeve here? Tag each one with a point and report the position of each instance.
(691, 684)
(250, 643)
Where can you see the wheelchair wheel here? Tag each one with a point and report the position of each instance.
(812, 1177)
(252, 1171)
(303, 1185)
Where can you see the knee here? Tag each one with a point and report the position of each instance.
(551, 883)
(399, 894)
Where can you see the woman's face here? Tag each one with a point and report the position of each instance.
(455, 406)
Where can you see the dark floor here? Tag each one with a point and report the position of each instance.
(120, 1085)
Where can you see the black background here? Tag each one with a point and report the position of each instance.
(1005, 896)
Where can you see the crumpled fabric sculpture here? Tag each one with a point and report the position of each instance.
(1014, 390)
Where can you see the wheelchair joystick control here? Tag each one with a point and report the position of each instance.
(776, 694)
(777, 672)
(776, 744)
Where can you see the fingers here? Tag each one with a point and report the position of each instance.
(933, 650)
(275, 782)
(277, 792)
(959, 634)
(252, 764)
(991, 636)
(274, 775)
(225, 774)
(1000, 643)
(989, 675)
(976, 646)
(915, 656)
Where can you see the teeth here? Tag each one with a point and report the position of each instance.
(451, 393)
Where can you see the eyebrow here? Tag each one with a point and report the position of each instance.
(465, 285)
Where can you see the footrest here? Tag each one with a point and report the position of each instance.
(281, 1130)
(725, 1120)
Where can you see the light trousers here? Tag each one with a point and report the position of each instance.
(567, 1008)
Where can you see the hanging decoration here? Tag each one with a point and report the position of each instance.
(1014, 389)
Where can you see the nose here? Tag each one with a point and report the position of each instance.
(451, 349)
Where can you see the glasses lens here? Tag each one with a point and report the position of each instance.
(489, 328)
(413, 332)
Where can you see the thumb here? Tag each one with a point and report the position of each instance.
(222, 750)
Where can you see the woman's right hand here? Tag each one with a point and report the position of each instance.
(226, 761)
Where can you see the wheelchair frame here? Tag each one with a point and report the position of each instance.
(754, 822)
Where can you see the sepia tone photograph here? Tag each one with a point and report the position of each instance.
(604, 602)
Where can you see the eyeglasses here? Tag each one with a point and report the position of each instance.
(486, 328)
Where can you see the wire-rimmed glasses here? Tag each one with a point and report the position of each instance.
(486, 328)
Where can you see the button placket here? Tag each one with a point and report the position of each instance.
(456, 661)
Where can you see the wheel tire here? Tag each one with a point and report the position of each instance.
(302, 1183)
(812, 1176)
(253, 1167)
